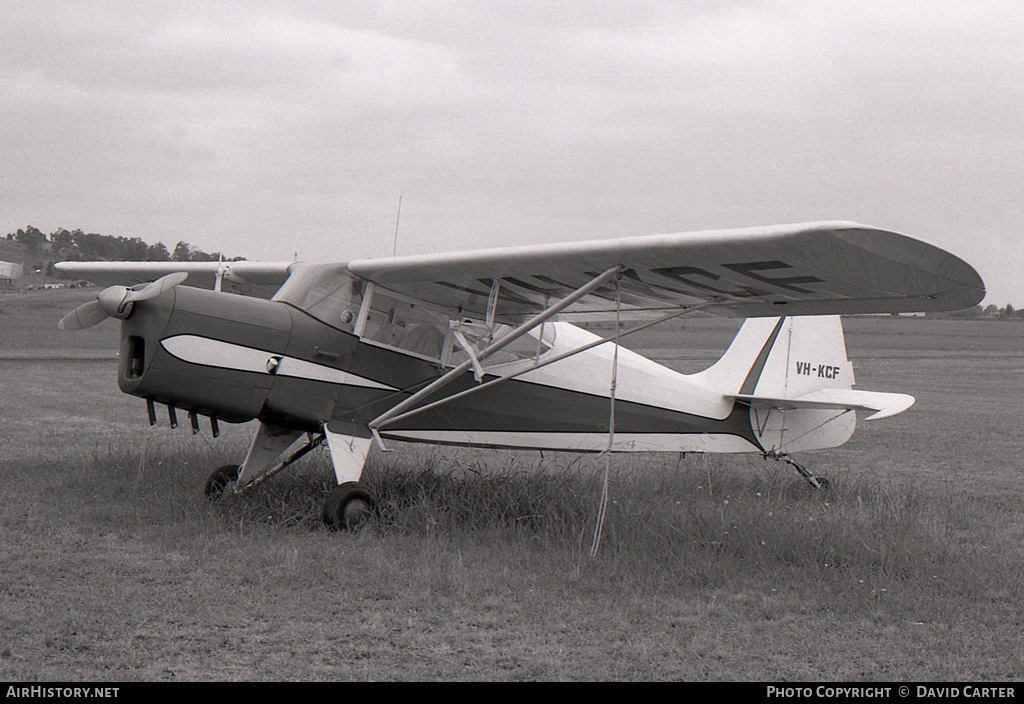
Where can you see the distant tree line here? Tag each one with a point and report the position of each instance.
(81, 246)
(991, 311)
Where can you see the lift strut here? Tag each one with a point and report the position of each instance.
(553, 310)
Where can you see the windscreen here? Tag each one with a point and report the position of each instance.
(329, 293)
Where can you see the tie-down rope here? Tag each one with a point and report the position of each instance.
(611, 425)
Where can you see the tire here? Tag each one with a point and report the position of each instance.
(219, 480)
(348, 506)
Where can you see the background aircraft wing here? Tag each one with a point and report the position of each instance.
(805, 269)
(252, 278)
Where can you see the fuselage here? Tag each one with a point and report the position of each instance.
(238, 358)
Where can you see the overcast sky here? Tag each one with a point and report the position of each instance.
(275, 129)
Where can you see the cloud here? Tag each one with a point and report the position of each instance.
(259, 126)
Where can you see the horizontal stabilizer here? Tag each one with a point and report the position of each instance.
(882, 403)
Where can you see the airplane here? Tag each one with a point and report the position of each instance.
(479, 348)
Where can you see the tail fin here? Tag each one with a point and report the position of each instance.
(782, 357)
(794, 375)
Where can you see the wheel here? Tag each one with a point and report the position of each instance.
(348, 505)
(218, 481)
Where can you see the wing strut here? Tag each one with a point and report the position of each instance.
(552, 360)
(478, 369)
(497, 345)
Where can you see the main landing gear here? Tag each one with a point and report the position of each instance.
(347, 506)
(222, 477)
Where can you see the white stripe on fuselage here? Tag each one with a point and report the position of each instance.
(639, 380)
(227, 355)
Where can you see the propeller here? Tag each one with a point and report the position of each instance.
(117, 302)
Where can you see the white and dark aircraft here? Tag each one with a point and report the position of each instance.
(477, 348)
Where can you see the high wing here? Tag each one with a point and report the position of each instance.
(804, 269)
(255, 278)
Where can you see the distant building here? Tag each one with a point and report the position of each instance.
(10, 270)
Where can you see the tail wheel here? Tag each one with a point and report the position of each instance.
(220, 479)
(348, 505)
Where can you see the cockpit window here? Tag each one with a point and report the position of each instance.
(332, 295)
(328, 293)
(405, 326)
(531, 345)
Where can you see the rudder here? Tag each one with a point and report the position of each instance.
(773, 360)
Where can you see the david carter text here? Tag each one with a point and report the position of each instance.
(919, 692)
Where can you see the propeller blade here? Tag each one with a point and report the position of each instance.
(116, 302)
(164, 283)
(84, 316)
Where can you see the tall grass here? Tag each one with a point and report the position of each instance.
(671, 520)
(701, 552)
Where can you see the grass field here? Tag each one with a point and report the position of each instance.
(710, 568)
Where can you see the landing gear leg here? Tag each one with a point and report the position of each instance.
(350, 503)
(817, 482)
(312, 442)
(346, 506)
(228, 474)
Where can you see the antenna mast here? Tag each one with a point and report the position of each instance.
(398, 218)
